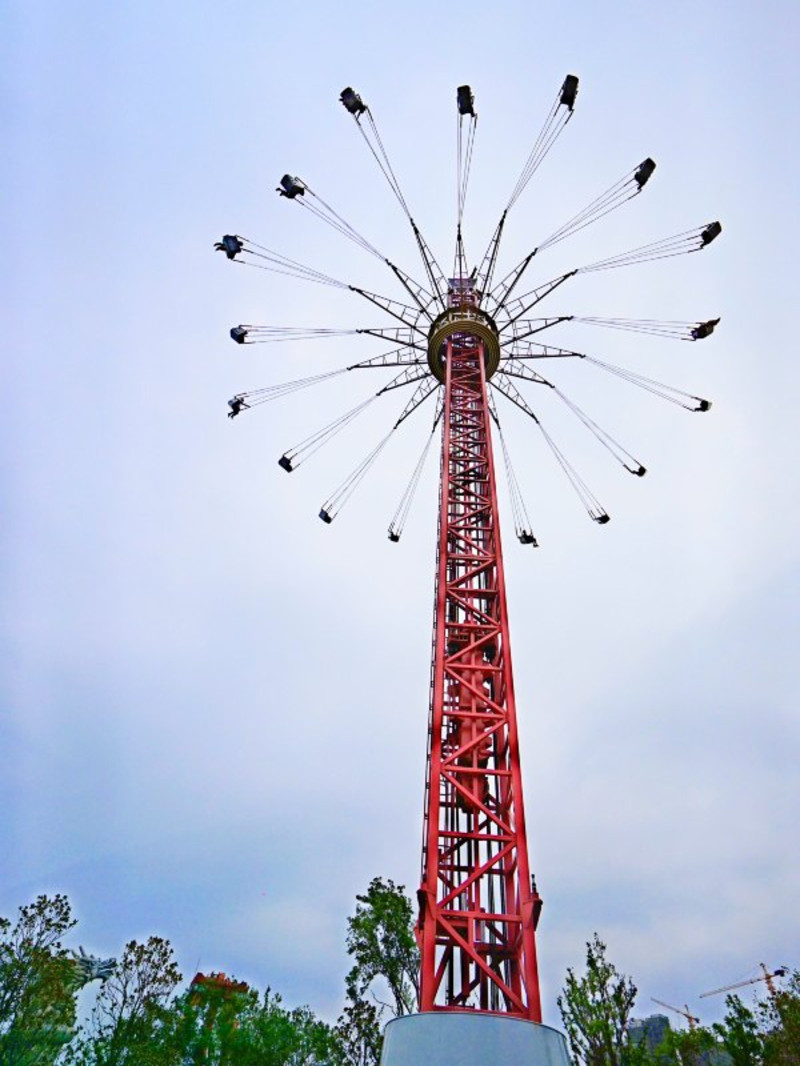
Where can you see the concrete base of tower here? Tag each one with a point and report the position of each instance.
(441, 1038)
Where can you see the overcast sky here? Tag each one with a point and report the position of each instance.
(214, 706)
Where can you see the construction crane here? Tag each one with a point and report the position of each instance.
(690, 1018)
(780, 971)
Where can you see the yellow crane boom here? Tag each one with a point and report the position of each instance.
(781, 971)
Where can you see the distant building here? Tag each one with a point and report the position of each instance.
(650, 1031)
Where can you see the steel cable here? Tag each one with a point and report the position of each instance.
(522, 522)
(609, 443)
(255, 397)
(693, 240)
(334, 504)
(684, 331)
(623, 190)
(548, 135)
(281, 334)
(337, 222)
(398, 522)
(591, 504)
(531, 350)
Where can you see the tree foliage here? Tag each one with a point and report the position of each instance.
(358, 1033)
(597, 1007)
(380, 939)
(780, 1025)
(738, 1034)
(143, 1017)
(37, 983)
(596, 1011)
(132, 1019)
(218, 1028)
(688, 1047)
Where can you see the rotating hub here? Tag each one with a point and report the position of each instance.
(462, 325)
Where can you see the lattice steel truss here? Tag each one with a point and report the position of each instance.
(463, 340)
(478, 909)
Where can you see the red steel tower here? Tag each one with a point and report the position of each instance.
(478, 907)
(463, 341)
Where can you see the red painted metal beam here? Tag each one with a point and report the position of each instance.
(478, 909)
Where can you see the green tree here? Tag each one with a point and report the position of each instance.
(203, 1022)
(281, 1037)
(358, 1034)
(739, 1034)
(596, 1009)
(221, 1026)
(37, 983)
(133, 1021)
(780, 1025)
(688, 1047)
(380, 939)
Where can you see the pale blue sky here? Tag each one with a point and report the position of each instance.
(214, 707)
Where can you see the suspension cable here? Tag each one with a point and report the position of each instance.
(622, 455)
(332, 217)
(398, 522)
(336, 501)
(681, 244)
(464, 158)
(297, 455)
(281, 264)
(553, 126)
(333, 505)
(255, 397)
(558, 117)
(234, 245)
(250, 334)
(625, 189)
(693, 240)
(687, 400)
(592, 505)
(357, 108)
(594, 508)
(522, 523)
(683, 331)
(513, 368)
(382, 159)
(618, 194)
(295, 189)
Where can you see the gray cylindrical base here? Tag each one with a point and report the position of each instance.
(461, 1039)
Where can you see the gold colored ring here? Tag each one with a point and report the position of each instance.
(454, 323)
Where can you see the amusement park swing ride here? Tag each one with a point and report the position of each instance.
(471, 343)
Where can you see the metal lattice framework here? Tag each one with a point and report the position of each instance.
(478, 908)
(465, 339)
